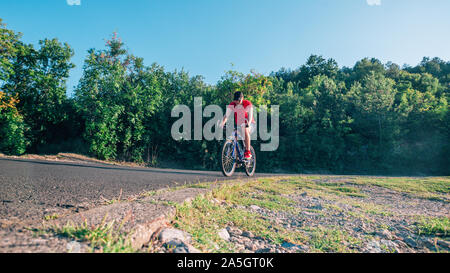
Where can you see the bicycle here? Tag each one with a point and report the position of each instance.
(233, 156)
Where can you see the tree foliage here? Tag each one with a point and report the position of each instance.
(369, 118)
(12, 140)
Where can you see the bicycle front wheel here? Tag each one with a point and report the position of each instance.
(250, 165)
(228, 158)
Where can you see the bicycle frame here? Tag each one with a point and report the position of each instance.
(235, 137)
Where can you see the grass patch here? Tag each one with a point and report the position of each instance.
(436, 226)
(276, 186)
(331, 240)
(203, 219)
(376, 210)
(335, 187)
(148, 194)
(433, 188)
(200, 186)
(51, 217)
(104, 237)
(259, 193)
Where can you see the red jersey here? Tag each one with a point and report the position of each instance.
(240, 111)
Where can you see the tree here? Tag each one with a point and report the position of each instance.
(39, 78)
(371, 106)
(364, 68)
(117, 97)
(316, 65)
(328, 122)
(12, 141)
(9, 41)
(97, 98)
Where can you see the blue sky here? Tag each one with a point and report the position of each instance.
(205, 36)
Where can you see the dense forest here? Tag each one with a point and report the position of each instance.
(371, 118)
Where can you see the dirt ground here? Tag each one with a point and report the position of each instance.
(323, 214)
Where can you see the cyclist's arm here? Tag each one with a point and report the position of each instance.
(227, 114)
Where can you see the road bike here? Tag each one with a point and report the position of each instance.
(233, 155)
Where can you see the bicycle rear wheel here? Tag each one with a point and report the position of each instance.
(228, 161)
(250, 166)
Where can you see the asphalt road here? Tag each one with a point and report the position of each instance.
(31, 189)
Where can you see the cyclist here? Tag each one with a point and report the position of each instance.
(243, 113)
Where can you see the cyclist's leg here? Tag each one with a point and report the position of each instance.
(252, 128)
(247, 139)
(246, 132)
(243, 133)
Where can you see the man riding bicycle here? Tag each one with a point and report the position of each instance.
(243, 113)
